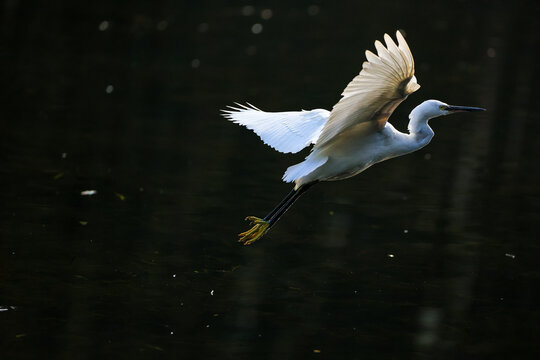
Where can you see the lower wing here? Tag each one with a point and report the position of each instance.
(287, 132)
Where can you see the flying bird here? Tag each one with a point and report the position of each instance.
(353, 136)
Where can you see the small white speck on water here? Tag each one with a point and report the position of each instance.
(104, 25)
(390, 255)
(109, 89)
(405, 231)
(257, 28)
(174, 275)
(88, 192)
(511, 256)
(212, 292)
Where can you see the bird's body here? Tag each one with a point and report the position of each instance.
(348, 157)
(352, 137)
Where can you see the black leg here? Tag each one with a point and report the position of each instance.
(261, 226)
(280, 205)
(287, 203)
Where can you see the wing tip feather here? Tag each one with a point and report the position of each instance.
(385, 76)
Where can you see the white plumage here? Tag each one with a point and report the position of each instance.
(354, 135)
(370, 98)
(385, 81)
(306, 167)
(287, 132)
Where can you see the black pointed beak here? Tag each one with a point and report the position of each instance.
(454, 109)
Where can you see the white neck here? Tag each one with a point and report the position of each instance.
(418, 127)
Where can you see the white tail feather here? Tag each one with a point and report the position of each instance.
(304, 168)
(287, 132)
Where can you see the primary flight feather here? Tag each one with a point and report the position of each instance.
(384, 82)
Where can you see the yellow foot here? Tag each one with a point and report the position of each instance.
(259, 228)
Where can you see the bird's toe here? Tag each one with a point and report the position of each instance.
(259, 228)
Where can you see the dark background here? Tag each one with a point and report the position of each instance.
(432, 255)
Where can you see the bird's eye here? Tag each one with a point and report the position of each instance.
(442, 107)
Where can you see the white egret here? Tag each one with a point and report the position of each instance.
(353, 136)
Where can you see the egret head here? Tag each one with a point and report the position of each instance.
(430, 109)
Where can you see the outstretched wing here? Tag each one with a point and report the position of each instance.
(287, 132)
(385, 81)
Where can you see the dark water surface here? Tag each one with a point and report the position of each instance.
(432, 255)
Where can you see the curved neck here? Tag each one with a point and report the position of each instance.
(419, 128)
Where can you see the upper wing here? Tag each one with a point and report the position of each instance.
(385, 81)
(288, 132)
